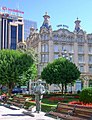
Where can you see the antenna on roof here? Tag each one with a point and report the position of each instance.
(17, 8)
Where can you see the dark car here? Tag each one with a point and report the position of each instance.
(16, 90)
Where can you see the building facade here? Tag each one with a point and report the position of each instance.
(51, 45)
(27, 25)
(11, 30)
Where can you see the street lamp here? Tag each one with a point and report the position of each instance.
(64, 53)
(86, 80)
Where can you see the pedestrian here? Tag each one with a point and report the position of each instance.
(4, 97)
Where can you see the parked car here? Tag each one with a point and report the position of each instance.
(16, 90)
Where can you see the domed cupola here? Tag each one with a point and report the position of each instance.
(77, 25)
(46, 24)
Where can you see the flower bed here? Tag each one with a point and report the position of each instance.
(57, 99)
(80, 103)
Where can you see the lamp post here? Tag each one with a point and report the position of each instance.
(86, 80)
(65, 54)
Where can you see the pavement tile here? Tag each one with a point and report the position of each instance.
(17, 114)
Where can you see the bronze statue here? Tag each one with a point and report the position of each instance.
(39, 90)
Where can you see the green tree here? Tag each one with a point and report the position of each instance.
(13, 64)
(31, 52)
(60, 71)
(32, 72)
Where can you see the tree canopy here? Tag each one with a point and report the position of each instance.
(60, 71)
(31, 73)
(13, 64)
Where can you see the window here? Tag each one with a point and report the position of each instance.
(44, 37)
(55, 48)
(90, 41)
(81, 68)
(55, 37)
(90, 49)
(5, 35)
(80, 58)
(55, 56)
(80, 48)
(44, 48)
(44, 58)
(64, 47)
(71, 48)
(90, 58)
(19, 33)
(13, 37)
(90, 69)
(80, 38)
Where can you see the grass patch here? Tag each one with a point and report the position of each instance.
(44, 107)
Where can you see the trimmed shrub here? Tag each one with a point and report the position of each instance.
(86, 95)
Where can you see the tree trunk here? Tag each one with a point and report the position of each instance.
(10, 87)
(71, 88)
(65, 87)
(62, 88)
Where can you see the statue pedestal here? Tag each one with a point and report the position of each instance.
(28, 113)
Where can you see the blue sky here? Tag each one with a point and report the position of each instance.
(60, 11)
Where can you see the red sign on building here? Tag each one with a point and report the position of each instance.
(12, 10)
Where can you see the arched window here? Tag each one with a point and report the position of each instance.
(44, 37)
(44, 48)
(55, 48)
(55, 37)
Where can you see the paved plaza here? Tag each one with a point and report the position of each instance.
(18, 114)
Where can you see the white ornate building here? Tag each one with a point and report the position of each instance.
(51, 44)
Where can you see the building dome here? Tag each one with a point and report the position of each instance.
(46, 23)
